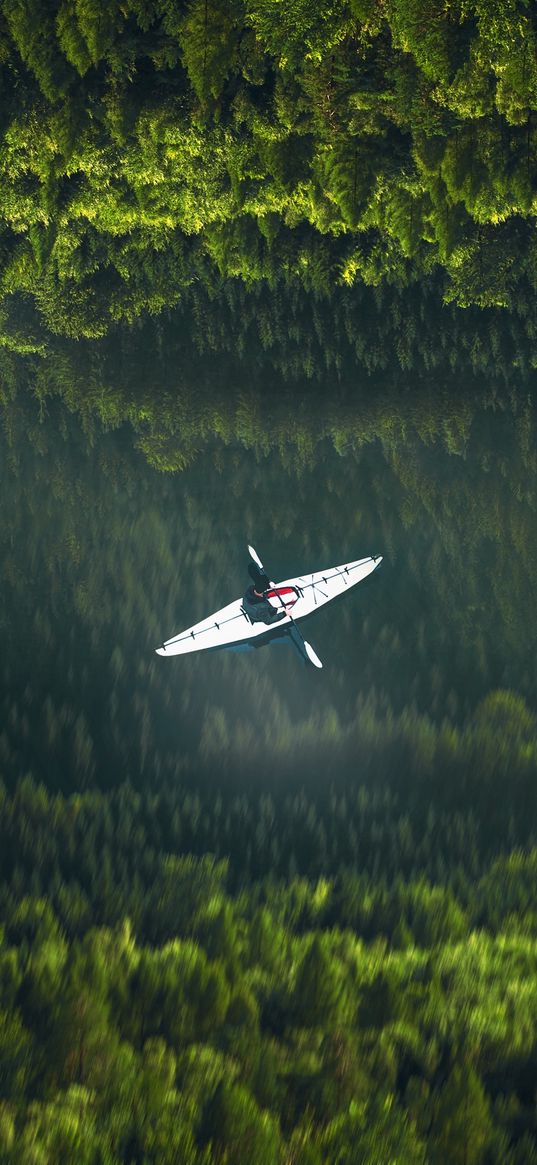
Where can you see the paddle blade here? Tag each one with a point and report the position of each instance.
(312, 655)
(255, 557)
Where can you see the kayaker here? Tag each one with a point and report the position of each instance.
(255, 601)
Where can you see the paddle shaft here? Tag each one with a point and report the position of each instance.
(308, 649)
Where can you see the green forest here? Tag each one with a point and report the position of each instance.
(151, 147)
(334, 1020)
(268, 272)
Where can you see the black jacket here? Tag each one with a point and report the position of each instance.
(258, 608)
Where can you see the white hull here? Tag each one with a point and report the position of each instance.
(231, 626)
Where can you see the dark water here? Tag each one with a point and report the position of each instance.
(103, 557)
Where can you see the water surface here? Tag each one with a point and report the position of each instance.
(104, 557)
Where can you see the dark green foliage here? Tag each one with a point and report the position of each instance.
(461, 1125)
(15, 1055)
(318, 989)
(379, 1004)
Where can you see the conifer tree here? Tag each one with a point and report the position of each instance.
(461, 1125)
(318, 988)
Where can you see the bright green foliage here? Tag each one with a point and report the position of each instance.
(61, 1130)
(298, 30)
(151, 145)
(369, 1132)
(114, 1048)
(237, 1129)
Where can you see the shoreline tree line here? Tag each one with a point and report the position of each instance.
(152, 146)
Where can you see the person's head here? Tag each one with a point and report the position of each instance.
(257, 590)
(259, 578)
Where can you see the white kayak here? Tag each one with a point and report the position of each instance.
(300, 596)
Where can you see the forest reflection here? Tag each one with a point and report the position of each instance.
(104, 556)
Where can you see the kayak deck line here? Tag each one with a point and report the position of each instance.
(202, 631)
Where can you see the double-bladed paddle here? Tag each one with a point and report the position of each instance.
(309, 653)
